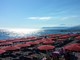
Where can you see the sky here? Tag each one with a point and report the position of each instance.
(39, 13)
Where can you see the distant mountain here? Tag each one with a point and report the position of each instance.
(75, 28)
(55, 28)
(62, 28)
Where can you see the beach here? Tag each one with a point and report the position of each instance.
(50, 46)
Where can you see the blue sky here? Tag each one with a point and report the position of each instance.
(39, 13)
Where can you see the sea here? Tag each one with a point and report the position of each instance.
(6, 34)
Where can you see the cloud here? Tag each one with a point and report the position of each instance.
(40, 18)
(57, 18)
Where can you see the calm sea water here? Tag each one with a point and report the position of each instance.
(18, 33)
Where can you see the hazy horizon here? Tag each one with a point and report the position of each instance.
(37, 28)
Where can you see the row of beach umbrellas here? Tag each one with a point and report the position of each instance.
(73, 47)
(45, 43)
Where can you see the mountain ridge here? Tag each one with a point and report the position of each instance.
(63, 28)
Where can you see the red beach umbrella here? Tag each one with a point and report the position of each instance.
(2, 41)
(15, 41)
(54, 39)
(77, 38)
(11, 48)
(32, 43)
(6, 43)
(23, 45)
(64, 37)
(48, 42)
(32, 38)
(28, 42)
(40, 41)
(51, 35)
(49, 39)
(9, 40)
(44, 39)
(73, 47)
(73, 35)
(2, 51)
(61, 40)
(58, 35)
(46, 47)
